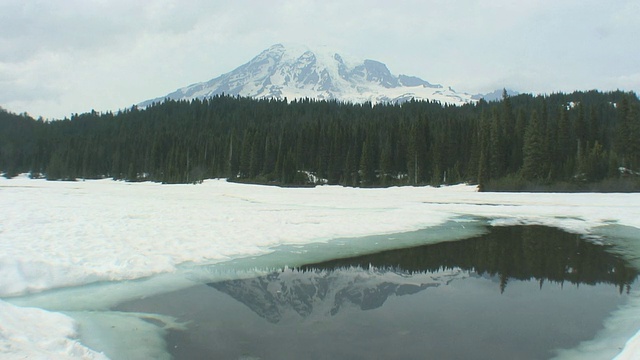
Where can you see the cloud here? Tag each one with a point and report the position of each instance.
(30, 28)
(84, 54)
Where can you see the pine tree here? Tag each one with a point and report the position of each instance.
(484, 167)
(533, 152)
(497, 157)
(386, 163)
(233, 158)
(367, 171)
(633, 137)
(562, 144)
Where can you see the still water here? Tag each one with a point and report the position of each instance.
(514, 293)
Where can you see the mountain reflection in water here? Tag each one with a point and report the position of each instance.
(302, 291)
(505, 253)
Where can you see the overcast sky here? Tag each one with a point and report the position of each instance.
(71, 56)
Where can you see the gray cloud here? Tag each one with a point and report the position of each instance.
(59, 57)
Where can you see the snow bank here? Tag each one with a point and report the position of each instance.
(62, 234)
(631, 350)
(38, 334)
(59, 234)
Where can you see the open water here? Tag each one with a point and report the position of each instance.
(519, 292)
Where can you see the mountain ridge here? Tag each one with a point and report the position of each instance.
(297, 72)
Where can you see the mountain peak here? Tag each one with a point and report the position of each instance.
(495, 95)
(296, 71)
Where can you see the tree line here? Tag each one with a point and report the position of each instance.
(561, 141)
(508, 253)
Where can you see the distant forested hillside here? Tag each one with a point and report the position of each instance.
(574, 142)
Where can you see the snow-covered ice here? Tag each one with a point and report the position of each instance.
(65, 235)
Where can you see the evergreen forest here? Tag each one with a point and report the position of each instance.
(583, 141)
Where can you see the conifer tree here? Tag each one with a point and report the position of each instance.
(562, 143)
(633, 137)
(367, 171)
(532, 151)
(497, 158)
(386, 163)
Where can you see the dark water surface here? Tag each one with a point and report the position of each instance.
(515, 293)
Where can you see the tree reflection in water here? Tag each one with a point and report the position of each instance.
(516, 252)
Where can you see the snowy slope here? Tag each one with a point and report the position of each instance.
(295, 71)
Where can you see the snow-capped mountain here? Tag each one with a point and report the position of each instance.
(495, 95)
(319, 293)
(299, 72)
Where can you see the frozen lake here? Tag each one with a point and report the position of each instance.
(73, 252)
